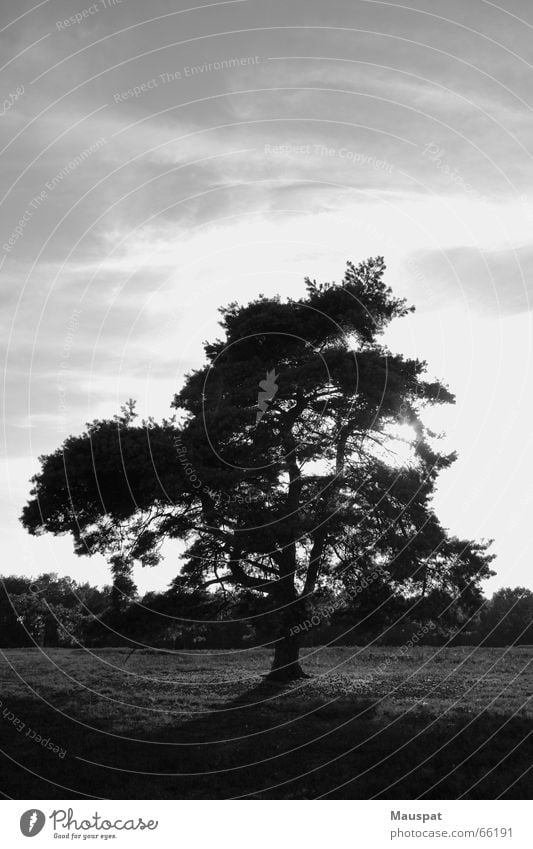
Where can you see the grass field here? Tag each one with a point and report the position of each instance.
(438, 723)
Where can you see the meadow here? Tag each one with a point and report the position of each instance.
(369, 723)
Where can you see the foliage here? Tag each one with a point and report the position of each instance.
(301, 462)
(47, 610)
(507, 618)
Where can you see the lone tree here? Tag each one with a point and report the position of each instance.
(300, 461)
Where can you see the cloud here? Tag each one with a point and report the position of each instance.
(495, 282)
(219, 184)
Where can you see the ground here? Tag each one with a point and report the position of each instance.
(369, 723)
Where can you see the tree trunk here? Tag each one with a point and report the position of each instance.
(285, 664)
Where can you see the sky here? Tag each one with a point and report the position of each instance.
(161, 160)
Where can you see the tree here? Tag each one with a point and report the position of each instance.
(47, 610)
(507, 618)
(301, 461)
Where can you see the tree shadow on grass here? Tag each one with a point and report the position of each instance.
(272, 741)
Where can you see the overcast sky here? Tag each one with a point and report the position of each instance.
(159, 161)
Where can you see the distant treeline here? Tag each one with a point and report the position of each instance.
(53, 611)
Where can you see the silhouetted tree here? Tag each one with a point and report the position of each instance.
(47, 610)
(301, 460)
(507, 617)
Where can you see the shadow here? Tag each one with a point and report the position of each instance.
(272, 741)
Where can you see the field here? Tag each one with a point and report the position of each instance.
(369, 723)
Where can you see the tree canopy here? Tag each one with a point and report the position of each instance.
(298, 459)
